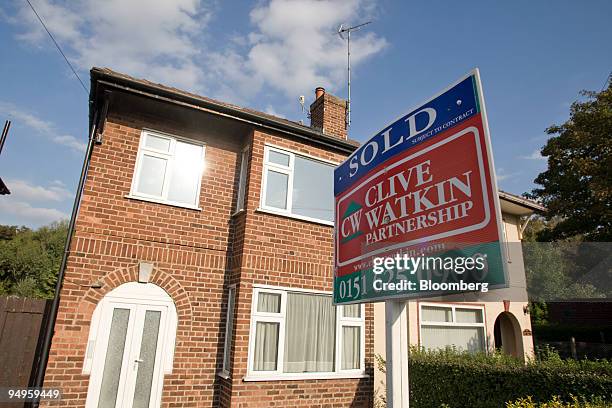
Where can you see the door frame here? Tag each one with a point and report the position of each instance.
(137, 297)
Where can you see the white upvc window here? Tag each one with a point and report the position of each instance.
(168, 170)
(297, 185)
(244, 163)
(229, 330)
(300, 334)
(450, 325)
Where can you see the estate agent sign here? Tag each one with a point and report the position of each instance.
(416, 207)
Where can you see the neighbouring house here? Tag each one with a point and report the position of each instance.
(200, 269)
(485, 322)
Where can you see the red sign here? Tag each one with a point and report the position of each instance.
(436, 192)
(440, 191)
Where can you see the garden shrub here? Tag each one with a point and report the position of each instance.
(556, 402)
(455, 379)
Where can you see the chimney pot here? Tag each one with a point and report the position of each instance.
(328, 114)
(319, 92)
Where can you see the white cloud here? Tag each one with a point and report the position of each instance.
(71, 142)
(291, 48)
(30, 204)
(28, 119)
(24, 213)
(159, 40)
(43, 127)
(535, 155)
(295, 47)
(503, 175)
(22, 190)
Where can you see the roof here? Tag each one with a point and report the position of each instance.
(108, 78)
(519, 205)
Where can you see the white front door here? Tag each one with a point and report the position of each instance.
(127, 357)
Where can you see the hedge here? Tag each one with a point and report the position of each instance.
(452, 379)
(556, 402)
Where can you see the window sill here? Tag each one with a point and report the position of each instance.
(170, 203)
(224, 375)
(306, 376)
(295, 217)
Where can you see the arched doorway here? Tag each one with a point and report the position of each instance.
(507, 334)
(130, 347)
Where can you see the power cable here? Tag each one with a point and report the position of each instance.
(58, 47)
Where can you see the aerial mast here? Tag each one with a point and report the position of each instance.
(341, 31)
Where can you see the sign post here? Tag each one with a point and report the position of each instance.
(396, 350)
(421, 189)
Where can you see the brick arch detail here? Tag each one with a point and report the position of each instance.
(160, 277)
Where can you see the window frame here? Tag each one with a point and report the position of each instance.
(289, 171)
(454, 322)
(242, 180)
(280, 318)
(169, 156)
(229, 322)
(341, 322)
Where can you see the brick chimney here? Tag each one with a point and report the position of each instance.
(328, 114)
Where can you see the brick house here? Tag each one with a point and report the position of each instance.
(201, 263)
(200, 269)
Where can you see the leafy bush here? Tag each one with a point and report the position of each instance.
(556, 402)
(30, 259)
(490, 380)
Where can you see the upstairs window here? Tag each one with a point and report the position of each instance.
(244, 162)
(168, 170)
(298, 186)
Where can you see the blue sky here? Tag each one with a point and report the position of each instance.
(534, 58)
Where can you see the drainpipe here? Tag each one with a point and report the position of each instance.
(52, 317)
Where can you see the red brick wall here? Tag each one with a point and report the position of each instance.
(328, 114)
(291, 253)
(196, 255)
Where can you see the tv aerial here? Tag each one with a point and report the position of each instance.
(342, 30)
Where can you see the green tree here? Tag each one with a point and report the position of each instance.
(577, 186)
(9, 231)
(564, 269)
(30, 259)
